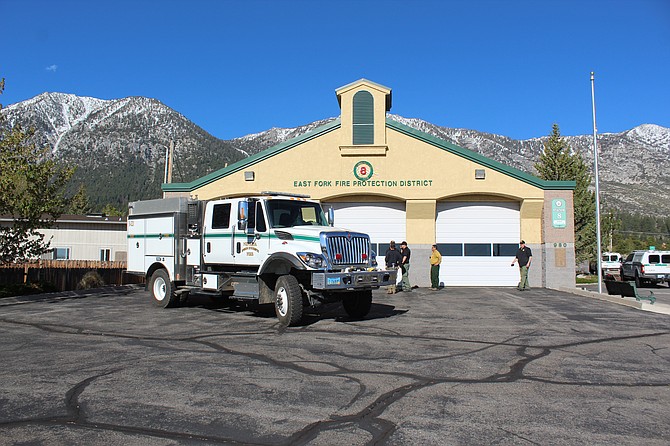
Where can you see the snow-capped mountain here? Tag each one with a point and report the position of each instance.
(633, 166)
(119, 146)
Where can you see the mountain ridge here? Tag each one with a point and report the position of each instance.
(119, 146)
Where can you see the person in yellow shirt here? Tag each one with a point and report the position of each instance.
(435, 260)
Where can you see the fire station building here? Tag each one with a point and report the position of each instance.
(397, 183)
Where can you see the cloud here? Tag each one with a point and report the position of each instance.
(52, 68)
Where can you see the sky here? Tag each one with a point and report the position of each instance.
(236, 67)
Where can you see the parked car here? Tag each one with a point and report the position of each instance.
(611, 263)
(649, 266)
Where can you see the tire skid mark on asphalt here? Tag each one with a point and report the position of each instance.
(367, 419)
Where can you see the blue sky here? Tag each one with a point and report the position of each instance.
(237, 67)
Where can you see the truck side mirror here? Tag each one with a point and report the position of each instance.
(331, 216)
(242, 215)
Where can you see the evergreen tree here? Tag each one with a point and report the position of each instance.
(609, 224)
(32, 185)
(558, 163)
(112, 211)
(79, 205)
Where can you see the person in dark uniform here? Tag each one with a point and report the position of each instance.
(524, 257)
(406, 253)
(392, 259)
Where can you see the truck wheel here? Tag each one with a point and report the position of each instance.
(288, 301)
(638, 281)
(358, 304)
(162, 290)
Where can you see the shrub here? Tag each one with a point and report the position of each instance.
(90, 280)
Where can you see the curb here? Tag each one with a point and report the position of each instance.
(625, 301)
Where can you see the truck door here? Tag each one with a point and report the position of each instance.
(136, 245)
(252, 241)
(218, 233)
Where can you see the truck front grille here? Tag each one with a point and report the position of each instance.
(348, 249)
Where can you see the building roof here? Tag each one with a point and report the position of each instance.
(390, 123)
(368, 84)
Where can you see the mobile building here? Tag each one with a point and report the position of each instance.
(84, 237)
(397, 183)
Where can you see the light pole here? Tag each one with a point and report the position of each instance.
(595, 171)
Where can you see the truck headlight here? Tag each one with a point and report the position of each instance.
(312, 260)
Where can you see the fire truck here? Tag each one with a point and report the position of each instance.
(273, 248)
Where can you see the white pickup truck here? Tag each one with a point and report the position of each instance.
(611, 263)
(647, 266)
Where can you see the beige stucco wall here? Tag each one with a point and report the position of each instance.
(409, 170)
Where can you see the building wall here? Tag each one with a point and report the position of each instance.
(406, 166)
(86, 240)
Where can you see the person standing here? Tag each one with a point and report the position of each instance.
(404, 264)
(435, 260)
(524, 257)
(392, 259)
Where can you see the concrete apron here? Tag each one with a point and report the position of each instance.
(626, 301)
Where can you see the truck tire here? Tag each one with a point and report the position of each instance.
(638, 281)
(288, 301)
(358, 304)
(162, 290)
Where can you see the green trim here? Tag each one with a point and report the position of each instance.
(221, 235)
(272, 235)
(257, 158)
(150, 236)
(304, 238)
(480, 159)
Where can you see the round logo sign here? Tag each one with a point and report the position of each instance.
(363, 170)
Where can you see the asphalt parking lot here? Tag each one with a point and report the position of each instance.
(455, 366)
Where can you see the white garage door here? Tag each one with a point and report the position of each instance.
(383, 221)
(478, 242)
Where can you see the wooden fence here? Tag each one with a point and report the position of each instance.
(66, 275)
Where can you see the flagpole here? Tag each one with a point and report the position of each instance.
(595, 171)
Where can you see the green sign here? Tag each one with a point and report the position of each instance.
(558, 213)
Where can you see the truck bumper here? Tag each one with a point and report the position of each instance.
(656, 277)
(353, 280)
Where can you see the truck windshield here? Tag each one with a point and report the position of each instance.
(288, 213)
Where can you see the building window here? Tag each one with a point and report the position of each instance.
(61, 253)
(505, 249)
(477, 250)
(363, 118)
(450, 249)
(105, 254)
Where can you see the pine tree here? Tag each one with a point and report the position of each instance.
(32, 185)
(80, 205)
(558, 163)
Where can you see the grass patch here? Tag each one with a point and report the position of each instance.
(587, 279)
